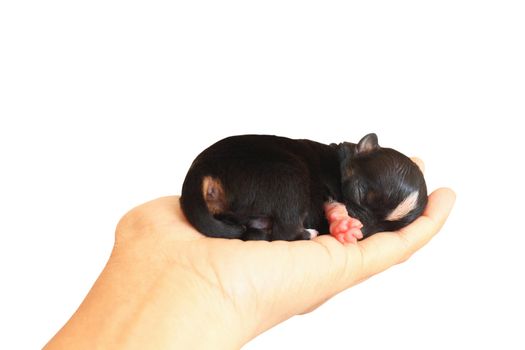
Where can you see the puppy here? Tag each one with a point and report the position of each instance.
(262, 187)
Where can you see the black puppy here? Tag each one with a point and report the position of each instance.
(261, 187)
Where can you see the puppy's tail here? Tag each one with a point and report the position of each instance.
(202, 198)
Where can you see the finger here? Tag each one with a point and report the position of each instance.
(336, 266)
(419, 162)
(386, 249)
(439, 206)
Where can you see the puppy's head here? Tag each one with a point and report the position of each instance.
(381, 187)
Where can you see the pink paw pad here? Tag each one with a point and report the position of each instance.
(343, 227)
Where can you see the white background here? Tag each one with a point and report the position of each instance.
(104, 104)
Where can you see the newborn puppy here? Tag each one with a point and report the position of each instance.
(261, 187)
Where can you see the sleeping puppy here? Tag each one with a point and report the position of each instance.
(262, 187)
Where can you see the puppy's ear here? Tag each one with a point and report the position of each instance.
(367, 144)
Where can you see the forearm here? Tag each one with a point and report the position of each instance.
(151, 305)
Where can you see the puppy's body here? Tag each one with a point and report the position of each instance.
(260, 187)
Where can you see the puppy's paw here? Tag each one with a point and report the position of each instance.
(346, 230)
(343, 227)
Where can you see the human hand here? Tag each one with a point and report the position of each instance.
(167, 286)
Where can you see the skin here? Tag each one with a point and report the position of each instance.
(166, 286)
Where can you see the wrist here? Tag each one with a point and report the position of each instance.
(150, 303)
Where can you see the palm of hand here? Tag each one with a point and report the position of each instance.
(257, 283)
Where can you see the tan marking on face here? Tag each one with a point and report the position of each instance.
(213, 194)
(405, 207)
(347, 172)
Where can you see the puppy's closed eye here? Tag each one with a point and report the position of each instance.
(371, 197)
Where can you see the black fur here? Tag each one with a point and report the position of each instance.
(274, 187)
